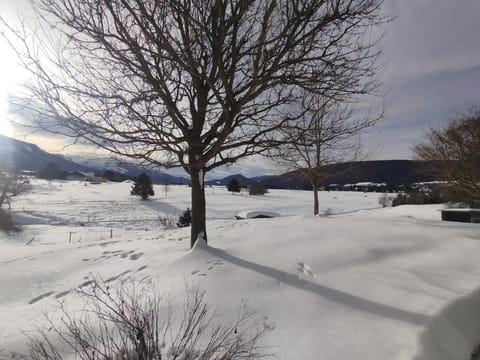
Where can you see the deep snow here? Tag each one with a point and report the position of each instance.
(366, 283)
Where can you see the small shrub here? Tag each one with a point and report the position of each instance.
(328, 212)
(385, 200)
(134, 322)
(167, 221)
(185, 219)
(419, 197)
(6, 222)
(456, 205)
(257, 189)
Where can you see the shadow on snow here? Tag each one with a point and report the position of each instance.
(337, 296)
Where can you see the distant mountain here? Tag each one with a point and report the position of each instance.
(390, 172)
(101, 164)
(20, 155)
(224, 181)
(157, 176)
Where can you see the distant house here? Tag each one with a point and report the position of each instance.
(28, 173)
(81, 176)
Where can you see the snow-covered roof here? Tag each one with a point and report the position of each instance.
(255, 214)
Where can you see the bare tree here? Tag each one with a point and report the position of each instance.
(166, 188)
(197, 84)
(10, 186)
(454, 154)
(326, 133)
(135, 322)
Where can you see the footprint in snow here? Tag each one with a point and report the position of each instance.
(146, 280)
(126, 254)
(135, 256)
(110, 279)
(62, 294)
(113, 278)
(216, 262)
(306, 269)
(40, 297)
(108, 243)
(198, 273)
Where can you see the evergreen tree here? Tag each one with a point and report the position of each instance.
(233, 186)
(143, 187)
(185, 219)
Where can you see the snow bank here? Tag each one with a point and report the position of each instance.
(368, 283)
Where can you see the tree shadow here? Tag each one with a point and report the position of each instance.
(162, 207)
(454, 332)
(376, 255)
(337, 296)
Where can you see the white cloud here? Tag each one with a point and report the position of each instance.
(432, 70)
(431, 36)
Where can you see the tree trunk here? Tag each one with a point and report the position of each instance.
(315, 197)
(198, 226)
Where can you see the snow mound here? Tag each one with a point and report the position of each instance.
(256, 214)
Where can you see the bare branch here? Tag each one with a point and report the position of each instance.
(134, 322)
(454, 153)
(196, 84)
(327, 132)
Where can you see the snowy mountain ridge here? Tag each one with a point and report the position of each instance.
(21, 155)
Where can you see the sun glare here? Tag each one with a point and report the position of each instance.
(5, 127)
(11, 75)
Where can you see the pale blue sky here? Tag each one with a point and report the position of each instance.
(432, 51)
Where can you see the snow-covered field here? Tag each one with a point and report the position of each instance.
(365, 283)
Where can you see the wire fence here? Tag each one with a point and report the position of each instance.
(89, 235)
